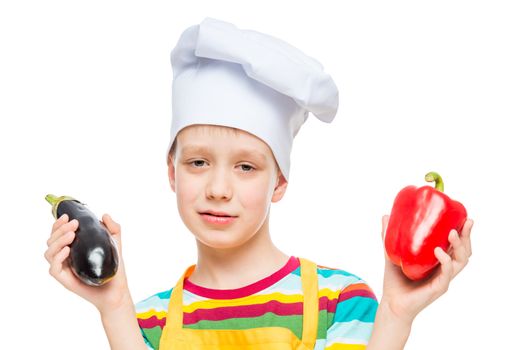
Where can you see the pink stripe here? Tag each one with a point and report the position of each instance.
(247, 311)
(357, 293)
(241, 292)
(222, 313)
(151, 322)
(330, 305)
(274, 306)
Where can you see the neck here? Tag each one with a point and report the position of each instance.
(226, 268)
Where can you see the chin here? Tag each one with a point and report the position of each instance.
(220, 240)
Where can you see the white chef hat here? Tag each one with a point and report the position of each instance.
(248, 80)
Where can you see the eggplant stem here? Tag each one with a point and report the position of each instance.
(435, 177)
(51, 198)
(55, 201)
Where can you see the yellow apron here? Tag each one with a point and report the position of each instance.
(175, 337)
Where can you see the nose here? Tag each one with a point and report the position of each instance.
(219, 186)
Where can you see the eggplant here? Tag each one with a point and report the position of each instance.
(94, 254)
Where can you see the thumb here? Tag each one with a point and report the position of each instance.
(385, 220)
(112, 226)
(389, 264)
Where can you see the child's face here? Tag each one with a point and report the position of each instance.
(220, 177)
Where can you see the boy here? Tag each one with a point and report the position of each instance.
(239, 98)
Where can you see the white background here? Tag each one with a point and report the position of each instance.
(85, 111)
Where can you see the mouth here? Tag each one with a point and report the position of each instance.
(217, 219)
(217, 214)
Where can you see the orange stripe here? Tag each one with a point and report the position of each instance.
(327, 267)
(356, 286)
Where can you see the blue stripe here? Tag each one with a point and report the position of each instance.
(350, 330)
(357, 308)
(165, 295)
(328, 273)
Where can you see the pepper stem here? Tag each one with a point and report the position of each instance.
(433, 176)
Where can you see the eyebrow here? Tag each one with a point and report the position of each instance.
(242, 152)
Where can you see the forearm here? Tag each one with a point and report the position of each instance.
(389, 332)
(121, 327)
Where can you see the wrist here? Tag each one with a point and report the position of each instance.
(121, 326)
(393, 313)
(117, 307)
(387, 312)
(390, 330)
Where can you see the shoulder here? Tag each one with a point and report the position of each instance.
(351, 307)
(151, 316)
(343, 282)
(348, 295)
(154, 306)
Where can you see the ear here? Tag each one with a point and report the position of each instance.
(280, 188)
(171, 173)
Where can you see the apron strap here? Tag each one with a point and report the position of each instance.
(174, 317)
(308, 273)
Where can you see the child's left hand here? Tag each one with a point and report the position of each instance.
(406, 298)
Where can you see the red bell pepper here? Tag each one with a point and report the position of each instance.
(421, 220)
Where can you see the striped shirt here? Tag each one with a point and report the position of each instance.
(347, 307)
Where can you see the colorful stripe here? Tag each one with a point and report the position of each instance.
(347, 307)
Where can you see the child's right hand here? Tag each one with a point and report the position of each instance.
(110, 296)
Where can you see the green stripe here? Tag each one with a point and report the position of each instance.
(269, 319)
(153, 335)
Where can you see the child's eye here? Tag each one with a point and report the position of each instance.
(248, 166)
(199, 161)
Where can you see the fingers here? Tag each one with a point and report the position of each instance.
(60, 227)
(59, 222)
(385, 220)
(58, 245)
(466, 236)
(113, 227)
(115, 231)
(443, 279)
(460, 255)
(62, 234)
(57, 261)
(460, 247)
